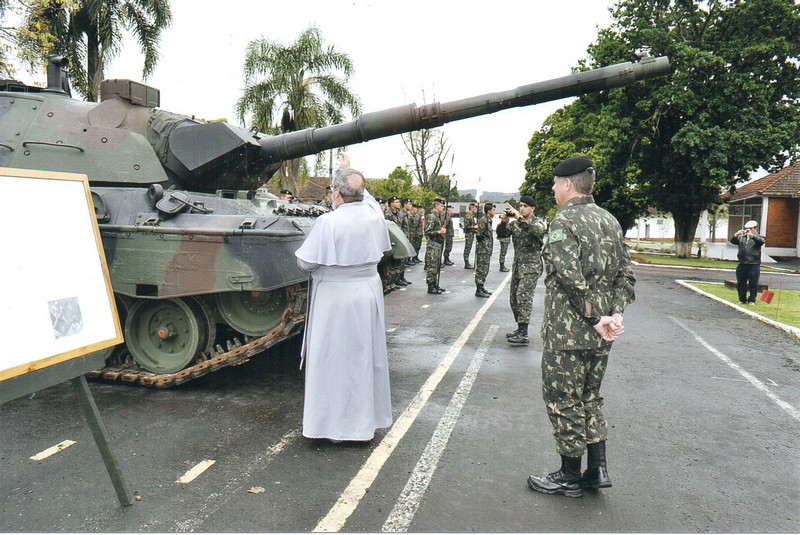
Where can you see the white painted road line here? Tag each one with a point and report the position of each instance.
(52, 450)
(216, 500)
(195, 471)
(789, 408)
(360, 484)
(410, 499)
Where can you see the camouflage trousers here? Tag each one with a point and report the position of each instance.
(520, 298)
(503, 249)
(571, 390)
(433, 260)
(482, 260)
(469, 237)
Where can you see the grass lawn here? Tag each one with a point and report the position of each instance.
(671, 260)
(784, 308)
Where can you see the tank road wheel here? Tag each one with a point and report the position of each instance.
(253, 313)
(164, 335)
(205, 319)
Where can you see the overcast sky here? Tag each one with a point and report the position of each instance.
(403, 51)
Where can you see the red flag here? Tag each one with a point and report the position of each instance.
(767, 296)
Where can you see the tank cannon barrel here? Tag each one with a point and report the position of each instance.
(411, 117)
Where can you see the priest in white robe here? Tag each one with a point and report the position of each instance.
(347, 394)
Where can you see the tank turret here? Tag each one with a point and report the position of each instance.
(202, 265)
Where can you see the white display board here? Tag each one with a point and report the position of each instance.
(56, 301)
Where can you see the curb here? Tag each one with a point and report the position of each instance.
(782, 326)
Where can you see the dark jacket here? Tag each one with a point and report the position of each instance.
(749, 248)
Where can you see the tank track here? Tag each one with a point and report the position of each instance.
(236, 352)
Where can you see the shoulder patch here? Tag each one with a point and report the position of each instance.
(555, 235)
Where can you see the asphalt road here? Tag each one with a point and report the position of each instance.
(703, 404)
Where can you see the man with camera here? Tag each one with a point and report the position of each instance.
(527, 232)
(748, 270)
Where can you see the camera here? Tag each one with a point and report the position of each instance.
(509, 212)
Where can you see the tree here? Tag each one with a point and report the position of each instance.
(731, 105)
(89, 34)
(288, 88)
(428, 148)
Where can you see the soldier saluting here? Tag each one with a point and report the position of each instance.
(588, 283)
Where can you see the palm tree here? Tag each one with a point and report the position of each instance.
(89, 34)
(295, 87)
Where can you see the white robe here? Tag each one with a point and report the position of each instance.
(347, 393)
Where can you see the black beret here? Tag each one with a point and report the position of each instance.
(405, 200)
(392, 199)
(527, 199)
(380, 201)
(438, 200)
(573, 166)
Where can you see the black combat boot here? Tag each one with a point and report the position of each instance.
(447, 261)
(467, 265)
(481, 291)
(503, 268)
(566, 481)
(512, 333)
(521, 338)
(433, 290)
(441, 290)
(596, 474)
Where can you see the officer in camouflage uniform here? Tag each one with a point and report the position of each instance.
(483, 250)
(470, 227)
(527, 232)
(588, 283)
(435, 230)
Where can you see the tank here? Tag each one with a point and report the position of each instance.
(201, 258)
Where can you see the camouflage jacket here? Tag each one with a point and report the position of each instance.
(398, 216)
(528, 238)
(588, 275)
(468, 223)
(484, 236)
(414, 224)
(433, 224)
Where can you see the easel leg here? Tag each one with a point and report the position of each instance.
(101, 438)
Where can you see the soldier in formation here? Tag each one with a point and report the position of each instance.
(588, 283)
(417, 231)
(435, 230)
(527, 232)
(448, 235)
(483, 249)
(470, 226)
(396, 214)
(504, 237)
